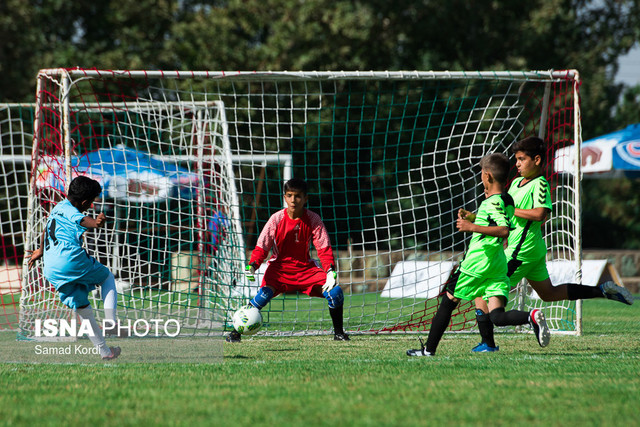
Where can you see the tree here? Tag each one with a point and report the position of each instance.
(613, 210)
(628, 110)
(124, 34)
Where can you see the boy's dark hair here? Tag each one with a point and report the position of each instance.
(83, 188)
(532, 146)
(296, 184)
(498, 165)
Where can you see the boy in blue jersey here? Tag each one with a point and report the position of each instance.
(526, 251)
(69, 268)
(483, 271)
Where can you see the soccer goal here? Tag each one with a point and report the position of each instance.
(192, 166)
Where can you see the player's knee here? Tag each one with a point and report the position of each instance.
(262, 298)
(481, 316)
(335, 297)
(498, 317)
(109, 282)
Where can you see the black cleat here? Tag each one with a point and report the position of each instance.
(420, 352)
(234, 336)
(115, 352)
(538, 322)
(617, 293)
(341, 337)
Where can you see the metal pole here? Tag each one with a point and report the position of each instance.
(577, 178)
(66, 132)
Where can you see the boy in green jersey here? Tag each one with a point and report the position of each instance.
(526, 251)
(483, 271)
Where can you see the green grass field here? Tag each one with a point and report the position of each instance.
(589, 380)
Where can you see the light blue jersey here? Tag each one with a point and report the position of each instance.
(67, 266)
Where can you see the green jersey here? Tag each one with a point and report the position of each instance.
(525, 241)
(485, 256)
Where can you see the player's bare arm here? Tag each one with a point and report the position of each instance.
(536, 214)
(493, 231)
(97, 222)
(36, 254)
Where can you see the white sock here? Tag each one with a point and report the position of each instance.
(96, 338)
(110, 298)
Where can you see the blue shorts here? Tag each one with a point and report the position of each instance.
(75, 295)
(74, 273)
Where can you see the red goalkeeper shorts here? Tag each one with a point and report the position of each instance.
(284, 278)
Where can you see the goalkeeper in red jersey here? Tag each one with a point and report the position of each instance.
(288, 235)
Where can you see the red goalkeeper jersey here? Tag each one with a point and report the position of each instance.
(290, 240)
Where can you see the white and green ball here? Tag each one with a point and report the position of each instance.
(247, 320)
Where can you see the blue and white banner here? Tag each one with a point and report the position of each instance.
(614, 152)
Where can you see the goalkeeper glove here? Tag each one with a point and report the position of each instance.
(249, 272)
(331, 281)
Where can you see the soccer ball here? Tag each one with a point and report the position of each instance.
(247, 320)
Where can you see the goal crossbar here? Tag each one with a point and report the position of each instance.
(545, 75)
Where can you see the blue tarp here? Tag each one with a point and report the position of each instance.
(625, 148)
(124, 173)
(614, 153)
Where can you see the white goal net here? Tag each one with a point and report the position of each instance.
(192, 165)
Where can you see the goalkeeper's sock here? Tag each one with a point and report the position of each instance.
(337, 319)
(440, 322)
(262, 298)
(335, 297)
(485, 326)
(576, 292)
(96, 337)
(499, 317)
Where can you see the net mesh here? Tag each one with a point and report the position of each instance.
(16, 135)
(192, 167)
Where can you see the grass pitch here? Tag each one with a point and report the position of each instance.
(589, 380)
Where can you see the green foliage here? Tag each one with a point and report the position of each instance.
(628, 111)
(307, 35)
(610, 218)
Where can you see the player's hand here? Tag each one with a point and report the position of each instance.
(331, 281)
(34, 256)
(464, 225)
(101, 219)
(465, 214)
(249, 272)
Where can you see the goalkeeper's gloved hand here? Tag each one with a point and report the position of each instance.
(249, 272)
(332, 281)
